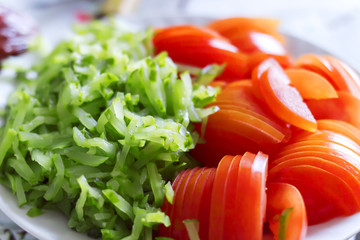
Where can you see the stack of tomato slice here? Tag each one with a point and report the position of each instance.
(216, 197)
(303, 114)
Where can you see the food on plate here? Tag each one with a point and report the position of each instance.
(285, 211)
(185, 132)
(223, 199)
(98, 131)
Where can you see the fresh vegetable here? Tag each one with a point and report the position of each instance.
(100, 130)
(285, 101)
(345, 108)
(101, 127)
(342, 77)
(257, 37)
(195, 200)
(199, 46)
(222, 199)
(285, 212)
(310, 85)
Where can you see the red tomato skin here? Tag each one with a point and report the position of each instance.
(217, 205)
(251, 183)
(280, 197)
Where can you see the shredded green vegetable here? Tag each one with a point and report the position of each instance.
(100, 131)
(284, 222)
(192, 228)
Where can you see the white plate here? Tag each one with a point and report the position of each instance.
(53, 225)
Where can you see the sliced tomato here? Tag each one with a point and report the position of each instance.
(349, 163)
(184, 30)
(344, 108)
(204, 203)
(351, 180)
(232, 132)
(167, 207)
(250, 196)
(326, 147)
(217, 205)
(340, 127)
(199, 47)
(193, 189)
(339, 75)
(282, 196)
(241, 93)
(310, 84)
(328, 136)
(219, 142)
(231, 26)
(284, 130)
(325, 209)
(177, 227)
(284, 100)
(256, 41)
(187, 208)
(230, 223)
(331, 142)
(257, 58)
(259, 71)
(336, 190)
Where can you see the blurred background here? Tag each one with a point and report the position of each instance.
(331, 24)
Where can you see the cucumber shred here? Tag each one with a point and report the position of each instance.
(100, 131)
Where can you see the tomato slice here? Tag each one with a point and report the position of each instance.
(344, 108)
(284, 100)
(258, 42)
(240, 93)
(231, 215)
(219, 143)
(231, 26)
(338, 170)
(259, 71)
(217, 205)
(340, 127)
(328, 136)
(167, 207)
(336, 190)
(204, 203)
(250, 196)
(310, 85)
(322, 146)
(193, 189)
(184, 30)
(274, 123)
(350, 164)
(325, 209)
(177, 227)
(323, 142)
(199, 47)
(282, 196)
(340, 76)
(188, 212)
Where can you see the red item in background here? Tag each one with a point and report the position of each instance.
(83, 16)
(16, 30)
